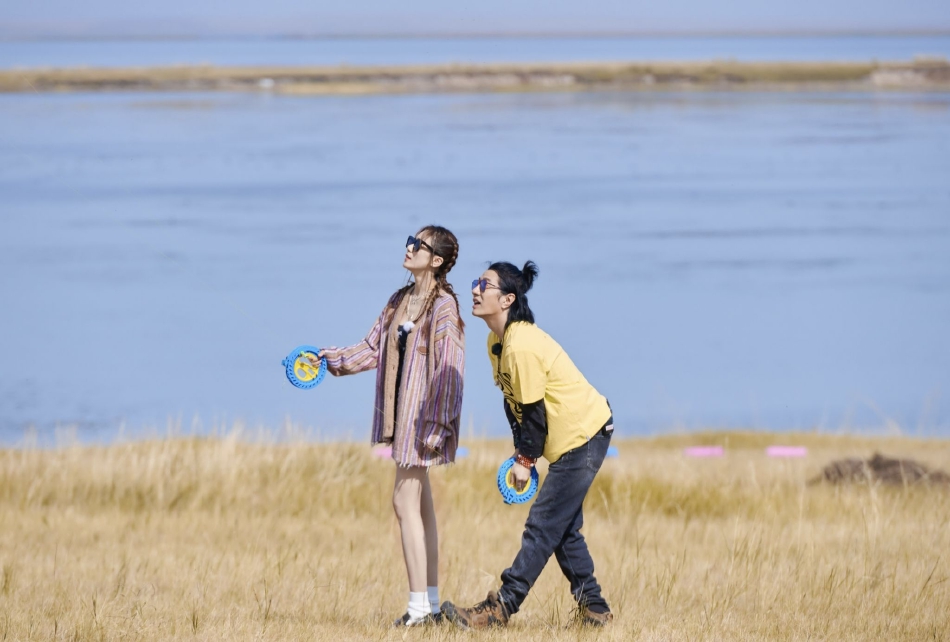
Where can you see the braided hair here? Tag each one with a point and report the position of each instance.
(445, 245)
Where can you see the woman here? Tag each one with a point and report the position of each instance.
(553, 413)
(417, 349)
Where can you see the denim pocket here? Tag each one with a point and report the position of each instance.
(596, 451)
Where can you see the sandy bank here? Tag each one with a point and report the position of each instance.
(919, 74)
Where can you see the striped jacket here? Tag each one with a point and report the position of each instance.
(424, 429)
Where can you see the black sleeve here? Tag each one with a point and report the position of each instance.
(515, 426)
(534, 429)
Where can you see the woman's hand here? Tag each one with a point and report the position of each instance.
(314, 361)
(435, 441)
(520, 475)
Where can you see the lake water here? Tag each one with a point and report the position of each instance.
(402, 51)
(772, 260)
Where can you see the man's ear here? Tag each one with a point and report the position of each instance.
(507, 300)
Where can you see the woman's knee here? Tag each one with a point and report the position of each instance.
(401, 505)
(406, 500)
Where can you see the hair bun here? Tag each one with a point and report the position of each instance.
(528, 274)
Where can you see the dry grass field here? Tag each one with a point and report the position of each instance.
(231, 538)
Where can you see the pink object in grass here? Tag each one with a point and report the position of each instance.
(383, 451)
(786, 451)
(703, 451)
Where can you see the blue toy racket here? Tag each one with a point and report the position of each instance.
(299, 370)
(506, 484)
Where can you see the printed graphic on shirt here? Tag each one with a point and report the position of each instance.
(531, 366)
(503, 381)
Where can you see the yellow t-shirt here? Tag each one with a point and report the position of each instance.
(532, 366)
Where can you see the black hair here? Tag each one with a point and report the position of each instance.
(511, 280)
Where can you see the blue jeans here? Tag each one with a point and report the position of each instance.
(554, 525)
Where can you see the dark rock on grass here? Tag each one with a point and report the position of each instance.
(880, 469)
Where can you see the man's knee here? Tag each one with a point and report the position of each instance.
(538, 535)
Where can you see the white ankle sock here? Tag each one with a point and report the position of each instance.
(418, 605)
(434, 598)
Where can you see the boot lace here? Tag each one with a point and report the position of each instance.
(485, 605)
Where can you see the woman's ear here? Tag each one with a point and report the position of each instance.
(436, 261)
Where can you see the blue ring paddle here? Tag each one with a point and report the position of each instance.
(298, 368)
(506, 485)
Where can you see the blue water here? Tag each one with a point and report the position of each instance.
(395, 51)
(774, 260)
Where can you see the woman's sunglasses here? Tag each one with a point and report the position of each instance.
(415, 244)
(483, 284)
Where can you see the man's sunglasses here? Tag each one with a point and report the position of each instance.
(415, 244)
(483, 284)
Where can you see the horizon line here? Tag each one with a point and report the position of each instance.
(485, 35)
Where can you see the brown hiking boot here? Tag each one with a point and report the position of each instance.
(592, 618)
(490, 612)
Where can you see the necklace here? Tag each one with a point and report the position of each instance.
(414, 309)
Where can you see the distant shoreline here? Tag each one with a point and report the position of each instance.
(481, 35)
(927, 74)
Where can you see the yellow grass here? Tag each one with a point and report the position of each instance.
(231, 539)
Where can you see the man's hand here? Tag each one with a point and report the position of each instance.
(520, 475)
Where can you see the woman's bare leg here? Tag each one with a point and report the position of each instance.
(407, 502)
(431, 534)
